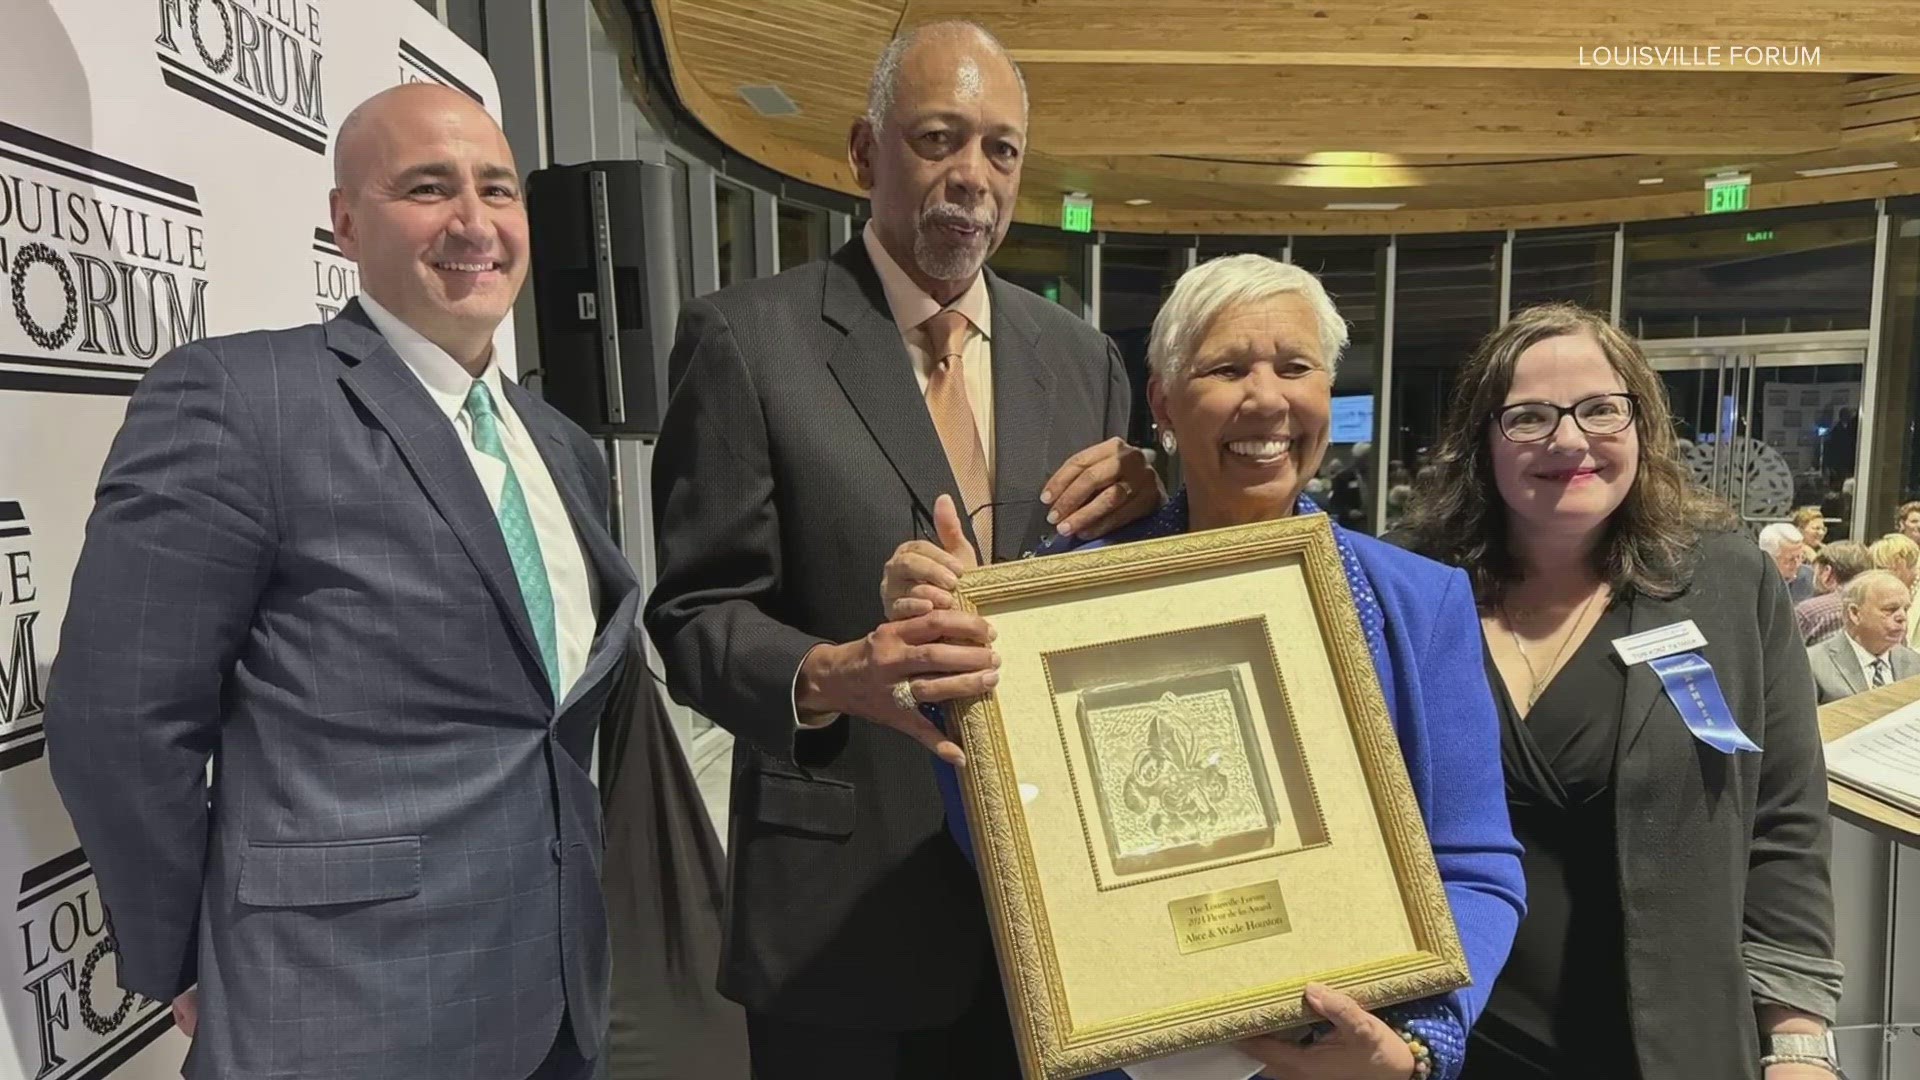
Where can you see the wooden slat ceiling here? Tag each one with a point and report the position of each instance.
(1252, 116)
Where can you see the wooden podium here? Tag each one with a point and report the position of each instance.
(1850, 804)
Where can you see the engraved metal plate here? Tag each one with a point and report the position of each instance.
(1178, 771)
(1228, 917)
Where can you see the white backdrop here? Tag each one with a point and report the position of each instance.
(163, 177)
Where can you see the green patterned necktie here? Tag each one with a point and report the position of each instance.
(516, 526)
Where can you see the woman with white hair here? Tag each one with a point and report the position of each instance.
(1243, 356)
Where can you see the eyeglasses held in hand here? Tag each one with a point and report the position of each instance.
(1535, 421)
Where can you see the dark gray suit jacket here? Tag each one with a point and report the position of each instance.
(1723, 857)
(291, 567)
(797, 453)
(1837, 673)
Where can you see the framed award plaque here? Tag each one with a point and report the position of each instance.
(1187, 800)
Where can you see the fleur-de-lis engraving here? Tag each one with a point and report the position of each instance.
(1175, 781)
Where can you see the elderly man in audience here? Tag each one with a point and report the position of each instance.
(1873, 650)
(1788, 549)
(1823, 615)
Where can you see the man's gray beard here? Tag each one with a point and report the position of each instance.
(946, 262)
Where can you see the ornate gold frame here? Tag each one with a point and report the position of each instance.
(1051, 1046)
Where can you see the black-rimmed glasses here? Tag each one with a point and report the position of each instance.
(1534, 421)
(923, 521)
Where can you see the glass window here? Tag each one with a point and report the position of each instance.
(1135, 278)
(1045, 261)
(1446, 298)
(468, 18)
(1775, 272)
(1354, 272)
(803, 235)
(1571, 266)
(1894, 470)
(733, 229)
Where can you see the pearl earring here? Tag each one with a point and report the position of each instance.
(1168, 442)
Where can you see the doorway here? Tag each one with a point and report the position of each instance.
(1770, 423)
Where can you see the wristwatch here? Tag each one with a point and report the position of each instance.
(1802, 1049)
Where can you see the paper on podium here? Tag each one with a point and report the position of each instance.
(1882, 758)
(1208, 1063)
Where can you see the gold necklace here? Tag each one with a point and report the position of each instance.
(1534, 685)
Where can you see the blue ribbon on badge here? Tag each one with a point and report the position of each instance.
(1693, 690)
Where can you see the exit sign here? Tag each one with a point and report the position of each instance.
(1728, 196)
(1759, 235)
(1076, 214)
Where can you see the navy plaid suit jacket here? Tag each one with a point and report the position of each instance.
(292, 568)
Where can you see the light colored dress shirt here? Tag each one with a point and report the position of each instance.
(1866, 660)
(567, 575)
(911, 306)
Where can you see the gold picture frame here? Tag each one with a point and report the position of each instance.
(1187, 799)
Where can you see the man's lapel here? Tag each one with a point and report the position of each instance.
(1840, 648)
(1023, 380)
(619, 588)
(875, 371)
(380, 381)
(1906, 662)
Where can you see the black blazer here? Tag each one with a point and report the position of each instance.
(1722, 858)
(796, 454)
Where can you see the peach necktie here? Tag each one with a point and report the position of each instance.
(953, 418)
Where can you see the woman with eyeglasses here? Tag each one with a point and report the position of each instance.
(1658, 729)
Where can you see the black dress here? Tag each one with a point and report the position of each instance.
(1559, 1007)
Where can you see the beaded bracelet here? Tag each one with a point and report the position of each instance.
(1422, 1056)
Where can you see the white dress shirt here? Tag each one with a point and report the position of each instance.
(567, 575)
(1866, 660)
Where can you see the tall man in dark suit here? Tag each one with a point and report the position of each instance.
(371, 578)
(818, 418)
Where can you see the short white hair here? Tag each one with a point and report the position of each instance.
(1778, 537)
(1212, 287)
(1864, 585)
(886, 70)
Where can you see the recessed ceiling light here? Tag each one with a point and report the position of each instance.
(769, 100)
(1365, 205)
(1653, 179)
(1138, 202)
(1842, 170)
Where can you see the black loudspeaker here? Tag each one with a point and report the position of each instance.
(590, 229)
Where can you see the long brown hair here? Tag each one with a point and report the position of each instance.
(1458, 516)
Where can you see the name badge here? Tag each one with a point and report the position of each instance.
(1661, 641)
(1694, 691)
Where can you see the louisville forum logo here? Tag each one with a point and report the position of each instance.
(83, 1025)
(258, 61)
(417, 66)
(104, 264)
(336, 279)
(22, 679)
